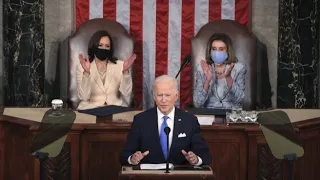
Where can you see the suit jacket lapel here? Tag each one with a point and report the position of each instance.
(176, 128)
(96, 75)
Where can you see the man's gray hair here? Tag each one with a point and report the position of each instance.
(166, 78)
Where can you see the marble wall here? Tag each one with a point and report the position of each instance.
(23, 41)
(1, 57)
(298, 61)
(265, 16)
(59, 24)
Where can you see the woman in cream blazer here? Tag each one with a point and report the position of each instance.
(101, 78)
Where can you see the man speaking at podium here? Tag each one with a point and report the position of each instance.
(147, 140)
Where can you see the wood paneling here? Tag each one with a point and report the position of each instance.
(268, 166)
(92, 151)
(101, 150)
(308, 166)
(58, 167)
(228, 153)
(66, 165)
(17, 162)
(2, 148)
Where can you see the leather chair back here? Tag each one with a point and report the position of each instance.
(123, 45)
(244, 44)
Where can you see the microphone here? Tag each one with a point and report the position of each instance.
(167, 131)
(185, 62)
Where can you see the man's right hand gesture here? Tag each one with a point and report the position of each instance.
(85, 63)
(137, 157)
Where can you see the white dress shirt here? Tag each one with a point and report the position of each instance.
(170, 123)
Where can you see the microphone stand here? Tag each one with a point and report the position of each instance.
(185, 62)
(167, 162)
(290, 158)
(167, 131)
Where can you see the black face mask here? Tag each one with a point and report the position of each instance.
(103, 54)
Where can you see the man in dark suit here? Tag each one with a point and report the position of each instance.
(147, 141)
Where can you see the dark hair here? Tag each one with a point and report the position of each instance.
(94, 43)
(226, 39)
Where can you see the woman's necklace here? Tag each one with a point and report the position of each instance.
(102, 69)
(102, 72)
(216, 86)
(220, 72)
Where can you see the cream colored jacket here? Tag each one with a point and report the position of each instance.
(116, 90)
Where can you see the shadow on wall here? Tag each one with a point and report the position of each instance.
(63, 71)
(1, 86)
(264, 92)
(52, 74)
(272, 50)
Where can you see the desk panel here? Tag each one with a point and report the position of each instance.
(92, 151)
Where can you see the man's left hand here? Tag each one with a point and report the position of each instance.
(191, 157)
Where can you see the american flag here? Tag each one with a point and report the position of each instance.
(162, 30)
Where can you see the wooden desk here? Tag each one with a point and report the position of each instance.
(92, 151)
(129, 173)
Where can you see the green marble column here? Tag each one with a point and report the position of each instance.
(23, 33)
(298, 54)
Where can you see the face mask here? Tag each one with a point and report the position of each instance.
(103, 54)
(218, 57)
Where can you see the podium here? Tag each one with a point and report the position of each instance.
(178, 173)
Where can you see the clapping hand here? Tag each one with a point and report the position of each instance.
(228, 73)
(128, 62)
(138, 156)
(191, 157)
(85, 63)
(207, 70)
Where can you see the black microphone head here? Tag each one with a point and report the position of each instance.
(167, 130)
(186, 61)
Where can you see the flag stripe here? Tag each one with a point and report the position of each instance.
(174, 40)
(82, 12)
(109, 9)
(187, 30)
(227, 9)
(149, 51)
(201, 14)
(95, 10)
(162, 16)
(214, 10)
(242, 12)
(123, 13)
(136, 9)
